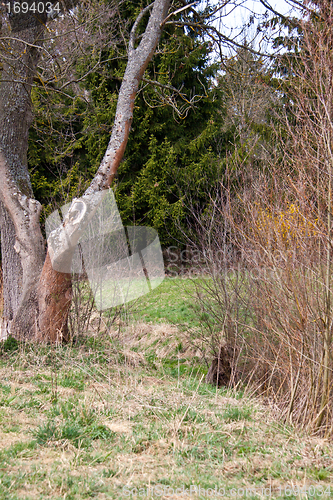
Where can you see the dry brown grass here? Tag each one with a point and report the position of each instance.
(158, 429)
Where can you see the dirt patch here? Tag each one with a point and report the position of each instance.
(163, 338)
(7, 439)
(119, 427)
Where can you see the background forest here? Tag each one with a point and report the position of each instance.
(197, 113)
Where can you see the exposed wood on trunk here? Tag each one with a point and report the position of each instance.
(138, 59)
(54, 302)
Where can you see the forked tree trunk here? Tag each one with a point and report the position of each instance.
(46, 293)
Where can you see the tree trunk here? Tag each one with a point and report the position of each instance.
(46, 283)
(19, 63)
(219, 373)
(54, 302)
(11, 271)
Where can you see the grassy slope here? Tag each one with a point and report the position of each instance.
(170, 302)
(83, 421)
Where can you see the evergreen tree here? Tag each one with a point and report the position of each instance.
(175, 125)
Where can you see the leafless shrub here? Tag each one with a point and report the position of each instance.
(219, 291)
(277, 307)
(84, 319)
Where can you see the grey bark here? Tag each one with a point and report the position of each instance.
(41, 284)
(138, 60)
(19, 63)
(11, 266)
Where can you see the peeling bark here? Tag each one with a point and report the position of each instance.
(54, 302)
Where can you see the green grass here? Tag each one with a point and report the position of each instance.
(97, 425)
(127, 410)
(170, 302)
